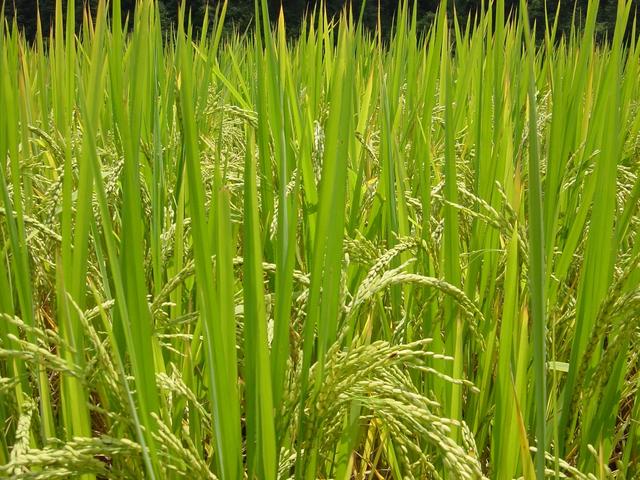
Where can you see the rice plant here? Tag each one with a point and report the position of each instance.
(237, 255)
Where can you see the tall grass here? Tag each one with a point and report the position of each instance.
(229, 255)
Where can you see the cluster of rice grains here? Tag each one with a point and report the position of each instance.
(238, 255)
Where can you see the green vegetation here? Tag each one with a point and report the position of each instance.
(227, 256)
(373, 14)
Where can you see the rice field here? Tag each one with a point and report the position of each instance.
(228, 256)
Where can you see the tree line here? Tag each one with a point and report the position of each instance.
(240, 13)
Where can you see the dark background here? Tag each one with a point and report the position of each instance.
(240, 12)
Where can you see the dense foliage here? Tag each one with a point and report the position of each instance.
(251, 256)
(240, 13)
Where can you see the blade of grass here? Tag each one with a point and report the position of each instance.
(536, 254)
